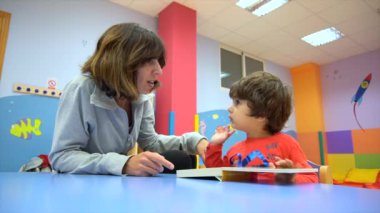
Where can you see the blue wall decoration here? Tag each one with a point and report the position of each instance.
(26, 128)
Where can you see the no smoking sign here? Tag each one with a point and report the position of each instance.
(52, 83)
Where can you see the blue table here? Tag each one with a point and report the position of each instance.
(46, 192)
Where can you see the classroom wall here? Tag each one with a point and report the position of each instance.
(340, 81)
(52, 39)
(347, 145)
(210, 95)
(47, 40)
(340, 141)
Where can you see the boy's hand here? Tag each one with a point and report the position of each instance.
(283, 178)
(283, 163)
(222, 133)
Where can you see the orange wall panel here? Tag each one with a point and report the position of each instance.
(366, 142)
(307, 98)
(310, 145)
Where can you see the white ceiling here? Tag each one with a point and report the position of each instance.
(277, 36)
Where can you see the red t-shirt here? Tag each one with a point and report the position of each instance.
(261, 151)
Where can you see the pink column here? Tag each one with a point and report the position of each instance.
(177, 26)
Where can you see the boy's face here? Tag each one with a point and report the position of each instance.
(241, 119)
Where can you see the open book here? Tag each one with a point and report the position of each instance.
(235, 173)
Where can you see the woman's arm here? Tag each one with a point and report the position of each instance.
(149, 140)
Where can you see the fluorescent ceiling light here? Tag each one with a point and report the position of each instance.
(268, 7)
(246, 3)
(260, 7)
(323, 37)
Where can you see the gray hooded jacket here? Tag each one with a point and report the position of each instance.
(92, 135)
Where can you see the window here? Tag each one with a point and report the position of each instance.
(232, 66)
(253, 65)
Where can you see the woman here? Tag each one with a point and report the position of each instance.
(103, 112)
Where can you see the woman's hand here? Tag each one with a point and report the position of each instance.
(146, 164)
(222, 133)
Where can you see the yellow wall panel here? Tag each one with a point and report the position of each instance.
(340, 164)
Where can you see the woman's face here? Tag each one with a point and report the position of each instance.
(147, 76)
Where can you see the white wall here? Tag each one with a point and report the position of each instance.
(50, 39)
(210, 95)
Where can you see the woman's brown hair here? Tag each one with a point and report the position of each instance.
(120, 51)
(267, 97)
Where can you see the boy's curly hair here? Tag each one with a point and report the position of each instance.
(267, 97)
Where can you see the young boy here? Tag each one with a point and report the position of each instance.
(261, 106)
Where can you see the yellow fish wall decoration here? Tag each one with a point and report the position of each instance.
(25, 130)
